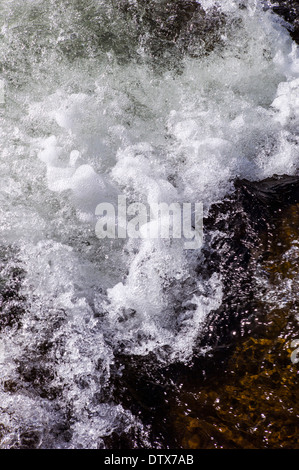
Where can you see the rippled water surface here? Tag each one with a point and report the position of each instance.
(142, 343)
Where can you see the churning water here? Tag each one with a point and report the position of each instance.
(159, 101)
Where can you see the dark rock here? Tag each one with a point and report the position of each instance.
(30, 439)
(289, 11)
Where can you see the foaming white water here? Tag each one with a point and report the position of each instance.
(77, 131)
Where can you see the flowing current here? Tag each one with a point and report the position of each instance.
(157, 101)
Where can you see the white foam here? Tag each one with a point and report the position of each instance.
(83, 131)
(171, 138)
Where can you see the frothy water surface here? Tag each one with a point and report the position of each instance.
(157, 102)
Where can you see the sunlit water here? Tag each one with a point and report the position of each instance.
(102, 99)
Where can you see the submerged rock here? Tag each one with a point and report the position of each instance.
(159, 33)
(180, 25)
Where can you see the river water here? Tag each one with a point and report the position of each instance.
(158, 101)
